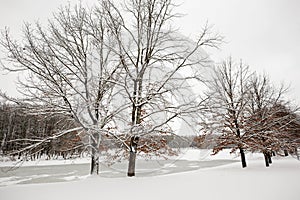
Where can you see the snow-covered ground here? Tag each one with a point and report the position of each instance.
(194, 175)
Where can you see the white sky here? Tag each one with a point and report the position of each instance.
(264, 33)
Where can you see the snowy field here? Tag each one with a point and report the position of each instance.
(193, 175)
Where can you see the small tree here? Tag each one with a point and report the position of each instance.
(268, 119)
(227, 106)
(286, 128)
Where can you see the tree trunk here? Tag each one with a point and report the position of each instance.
(131, 166)
(132, 156)
(243, 158)
(286, 153)
(95, 162)
(269, 158)
(296, 152)
(136, 119)
(273, 153)
(266, 159)
(3, 143)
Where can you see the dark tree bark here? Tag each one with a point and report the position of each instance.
(94, 162)
(269, 155)
(132, 156)
(136, 119)
(243, 158)
(266, 159)
(95, 165)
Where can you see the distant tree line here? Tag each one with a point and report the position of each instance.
(20, 129)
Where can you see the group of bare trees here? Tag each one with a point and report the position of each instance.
(19, 130)
(250, 114)
(122, 75)
(118, 70)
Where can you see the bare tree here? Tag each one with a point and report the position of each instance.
(228, 101)
(262, 97)
(67, 69)
(161, 67)
(270, 120)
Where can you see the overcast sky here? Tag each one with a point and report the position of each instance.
(264, 33)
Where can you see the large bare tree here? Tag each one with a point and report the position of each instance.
(67, 67)
(161, 68)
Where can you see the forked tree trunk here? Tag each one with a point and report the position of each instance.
(132, 156)
(243, 158)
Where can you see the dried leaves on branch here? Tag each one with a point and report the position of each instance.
(250, 114)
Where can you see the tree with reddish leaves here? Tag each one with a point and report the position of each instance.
(271, 123)
(155, 145)
(251, 114)
(287, 128)
(228, 100)
(198, 141)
